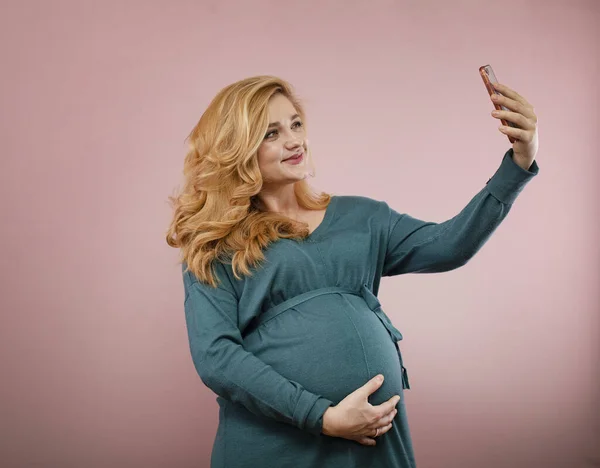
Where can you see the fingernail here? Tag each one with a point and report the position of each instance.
(380, 378)
(494, 96)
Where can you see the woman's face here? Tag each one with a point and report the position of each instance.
(285, 137)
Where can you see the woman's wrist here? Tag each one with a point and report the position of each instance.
(327, 422)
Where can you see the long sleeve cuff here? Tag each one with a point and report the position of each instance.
(314, 418)
(510, 178)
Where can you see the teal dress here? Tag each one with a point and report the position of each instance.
(307, 329)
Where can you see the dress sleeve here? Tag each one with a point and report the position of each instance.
(235, 374)
(416, 246)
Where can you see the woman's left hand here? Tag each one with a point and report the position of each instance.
(521, 114)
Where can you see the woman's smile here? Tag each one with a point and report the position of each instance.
(295, 159)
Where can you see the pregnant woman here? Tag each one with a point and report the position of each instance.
(281, 283)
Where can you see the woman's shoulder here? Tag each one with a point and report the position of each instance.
(354, 203)
(221, 270)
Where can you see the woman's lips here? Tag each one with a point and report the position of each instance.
(295, 160)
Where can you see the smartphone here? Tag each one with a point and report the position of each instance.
(489, 77)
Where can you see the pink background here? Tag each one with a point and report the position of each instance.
(97, 98)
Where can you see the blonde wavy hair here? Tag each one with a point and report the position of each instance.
(217, 214)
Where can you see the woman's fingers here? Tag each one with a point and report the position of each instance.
(382, 420)
(521, 113)
(382, 423)
(518, 119)
(385, 429)
(512, 94)
(388, 406)
(366, 441)
(381, 431)
(387, 419)
(520, 107)
(522, 135)
(372, 439)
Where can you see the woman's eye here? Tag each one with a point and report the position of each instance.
(272, 133)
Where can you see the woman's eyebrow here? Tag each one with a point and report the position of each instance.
(277, 124)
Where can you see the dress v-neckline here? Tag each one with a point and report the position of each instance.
(326, 220)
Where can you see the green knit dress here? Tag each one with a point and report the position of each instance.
(279, 347)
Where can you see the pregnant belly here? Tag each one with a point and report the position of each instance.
(330, 344)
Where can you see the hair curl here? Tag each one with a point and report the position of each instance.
(217, 214)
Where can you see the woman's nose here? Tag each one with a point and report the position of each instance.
(293, 142)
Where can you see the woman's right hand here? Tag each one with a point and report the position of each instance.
(354, 418)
